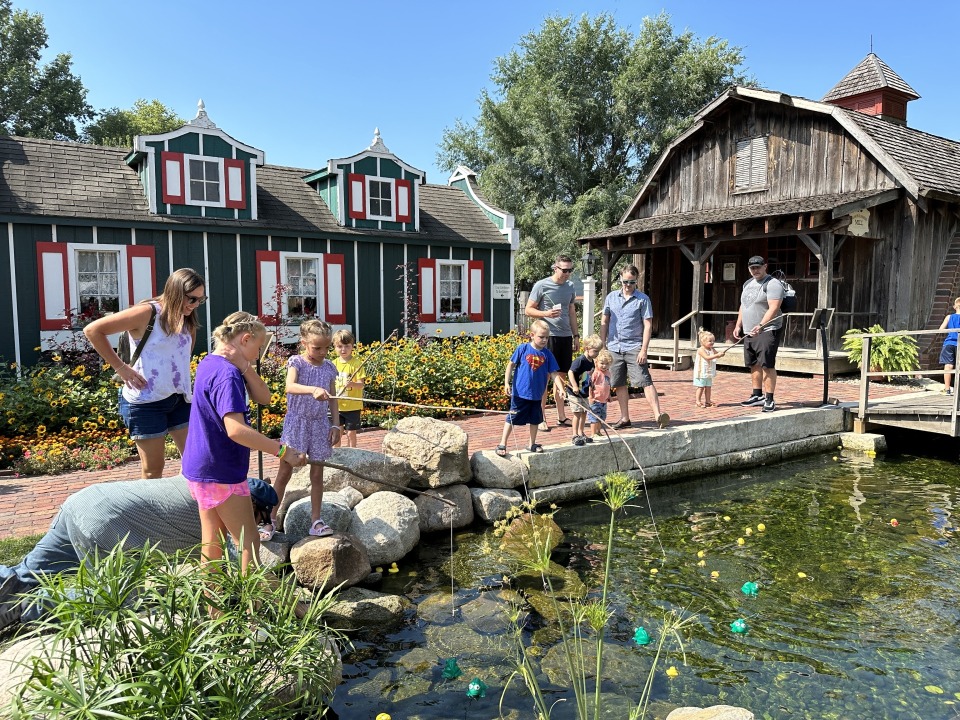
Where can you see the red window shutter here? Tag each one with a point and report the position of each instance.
(357, 196)
(54, 285)
(235, 181)
(475, 290)
(268, 280)
(404, 201)
(335, 289)
(427, 268)
(141, 273)
(174, 185)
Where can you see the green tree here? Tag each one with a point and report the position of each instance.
(45, 101)
(117, 127)
(580, 111)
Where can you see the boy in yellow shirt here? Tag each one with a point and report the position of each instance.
(350, 381)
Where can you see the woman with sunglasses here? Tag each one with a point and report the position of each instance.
(156, 393)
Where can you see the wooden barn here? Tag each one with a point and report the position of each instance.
(90, 230)
(857, 209)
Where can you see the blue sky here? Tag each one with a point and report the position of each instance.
(309, 81)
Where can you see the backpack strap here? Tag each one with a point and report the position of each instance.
(146, 334)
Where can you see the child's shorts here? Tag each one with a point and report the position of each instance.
(948, 355)
(576, 402)
(211, 494)
(598, 412)
(350, 419)
(703, 382)
(525, 412)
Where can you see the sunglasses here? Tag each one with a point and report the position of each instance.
(565, 271)
(196, 300)
(628, 282)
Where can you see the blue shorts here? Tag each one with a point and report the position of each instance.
(350, 419)
(948, 355)
(524, 412)
(154, 419)
(598, 412)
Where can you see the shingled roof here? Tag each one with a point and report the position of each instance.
(58, 179)
(870, 74)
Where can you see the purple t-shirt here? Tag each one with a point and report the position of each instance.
(209, 455)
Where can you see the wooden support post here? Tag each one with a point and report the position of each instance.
(825, 279)
(696, 294)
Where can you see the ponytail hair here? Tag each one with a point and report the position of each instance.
(236, 324)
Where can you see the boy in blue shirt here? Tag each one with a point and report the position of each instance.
(530, 369)
(948, 354)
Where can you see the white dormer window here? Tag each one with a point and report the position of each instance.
(751, 164)
(204, 181)
(380, 199)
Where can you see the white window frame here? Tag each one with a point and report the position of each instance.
(73, 249)
(393, 198)
(190, 200)
(321, 310)
(751, 162)
(464, 287)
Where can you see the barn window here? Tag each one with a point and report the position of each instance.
(380, 199)
(451, 288)
(302, 281)
(98, 282)
(782, 256)
(751, 164)
(204, 181)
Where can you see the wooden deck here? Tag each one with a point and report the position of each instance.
(789, 360)
(925, 411)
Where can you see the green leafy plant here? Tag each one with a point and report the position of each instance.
(133, 637)
(888, 353)
(582, 623)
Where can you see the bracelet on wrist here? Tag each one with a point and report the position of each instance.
(336, 427)
(281, 452)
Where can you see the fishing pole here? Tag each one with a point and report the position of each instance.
(396, 486)
(745, 336)
(367, 359)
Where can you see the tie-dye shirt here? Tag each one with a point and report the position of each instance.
(165, 363)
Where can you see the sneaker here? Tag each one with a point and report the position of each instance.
(579, 441)
(753, 400)
(949, 391)
(587, 439)
(769, 406)
(663, 420)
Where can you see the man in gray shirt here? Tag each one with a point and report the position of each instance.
(760, 323)
(552, 300)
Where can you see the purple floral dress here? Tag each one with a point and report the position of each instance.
(306, 426)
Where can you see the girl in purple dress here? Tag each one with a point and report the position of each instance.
(311, 403)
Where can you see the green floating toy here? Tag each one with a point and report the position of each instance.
(476, 689)
(750, 588)
(641, 637)
(451, 671)
(739, 626)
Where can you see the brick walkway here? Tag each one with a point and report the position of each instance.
(29, 503)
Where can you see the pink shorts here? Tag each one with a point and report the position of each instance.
(210, 494)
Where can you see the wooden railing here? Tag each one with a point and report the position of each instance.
(866, 373)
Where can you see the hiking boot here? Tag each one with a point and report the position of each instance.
(753, 400)
(769, 406)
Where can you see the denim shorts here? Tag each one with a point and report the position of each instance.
(154, 419)
(598, 412)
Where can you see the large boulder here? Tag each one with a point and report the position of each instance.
(436, 450)
(388, 526)
(323, 563)
(492, 471)
(335, 512)
(394, 470)
(359, 608)
(435, 514)
(492, 504)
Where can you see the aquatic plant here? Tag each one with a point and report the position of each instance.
(132, 636)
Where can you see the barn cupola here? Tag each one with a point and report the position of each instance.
(874, 89)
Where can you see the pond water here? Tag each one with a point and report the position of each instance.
(856, 615)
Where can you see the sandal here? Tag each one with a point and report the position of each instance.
(536, 448)
(663, 420)
(502, 450)
(563, 423)
(320, 529)
(267, 531)
(543, 427)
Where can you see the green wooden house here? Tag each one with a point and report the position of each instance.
(91, 230)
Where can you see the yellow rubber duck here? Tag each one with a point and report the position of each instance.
(702, 563)
(701, 554)
(384, 716)
(715, 574)
(740, 541)
(393, 568)
(672, 672)
(761, 527)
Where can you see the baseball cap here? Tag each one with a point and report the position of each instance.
(262, 493)
(756, 260)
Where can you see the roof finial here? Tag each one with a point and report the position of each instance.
(376, 145)
(871, 43)
(202, 120)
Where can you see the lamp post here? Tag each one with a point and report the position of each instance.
(588, 266)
